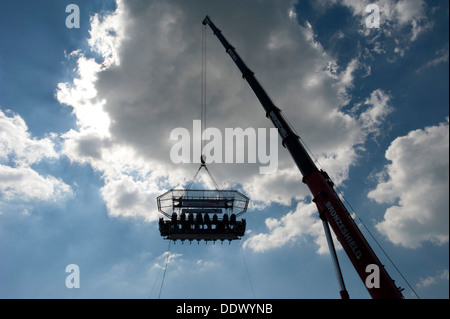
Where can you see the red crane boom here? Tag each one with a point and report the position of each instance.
(329, 205)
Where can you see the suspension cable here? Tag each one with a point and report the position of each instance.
(154, 284)
(248, 273)
(203, 88)
(193, 179)
(212, 178)
(165, 269)
(203, 112)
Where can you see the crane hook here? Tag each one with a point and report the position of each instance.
(203, 160)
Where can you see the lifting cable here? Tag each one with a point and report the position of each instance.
(164, 275)
(203, 87)
(359, 218)
(165, 269)
(203, 114)
(203, 165)
(248, 274)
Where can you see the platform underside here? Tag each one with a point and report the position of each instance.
(211, 232)
(205, 237)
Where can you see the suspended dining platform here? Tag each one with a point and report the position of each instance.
(208, 215)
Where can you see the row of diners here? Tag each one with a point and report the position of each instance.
(198, 226)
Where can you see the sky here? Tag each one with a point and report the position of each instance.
(86, 117)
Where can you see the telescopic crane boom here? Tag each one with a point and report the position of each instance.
(329, 205)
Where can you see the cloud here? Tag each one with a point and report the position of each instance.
(141, 87)
(304, 220)
(416, 185)
(150, 85)
(27, 184)
(433, 280)
(131, 184)
(17, 144)
(167, 258)
(412, 13)
(441, 57)
(403, 21)
(82, 96)
(375, 115)
(18, 151)
(204, 265)
(295, 225)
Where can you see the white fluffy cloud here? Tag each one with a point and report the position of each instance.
(167, 258)
(18, 151)
(81, 95)
(149, 84)
(432, 280)
(15, 141)
(378, 108)
(27, 184)
(403, 21)
(293, 226)
(416, 184)
(394, 14)
(131, 184)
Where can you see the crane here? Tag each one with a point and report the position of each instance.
(332, 211)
